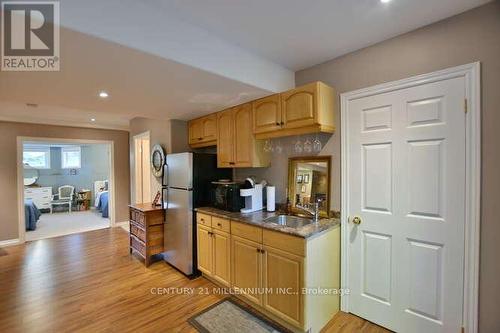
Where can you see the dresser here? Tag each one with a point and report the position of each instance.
(146, 230)
(41, 196)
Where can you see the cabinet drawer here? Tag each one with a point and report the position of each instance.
(138, 245)
(221, 224)
(246, 231)
(138, 217)
(137, 231)
(288, 243)
(204, 219)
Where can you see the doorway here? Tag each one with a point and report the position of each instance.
(65, 186)
(410, 205)
(142, 172)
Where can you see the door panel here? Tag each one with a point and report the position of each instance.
(195, 131)
(300, 106)
(282, 273)
(243, 135)
(267, 114)
(205, 250)
(246, 267)
(178, 230)
(221, 257)
(209, 125)
(225, 132)
(407, 183)
(179, 168)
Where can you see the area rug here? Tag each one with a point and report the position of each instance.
(227, 316)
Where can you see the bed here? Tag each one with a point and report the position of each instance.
(31, 214)
(102, 203)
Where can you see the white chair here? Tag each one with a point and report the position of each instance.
(64, 196)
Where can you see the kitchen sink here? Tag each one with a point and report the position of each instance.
(289, 221)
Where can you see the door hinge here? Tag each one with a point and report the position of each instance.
(465, 105)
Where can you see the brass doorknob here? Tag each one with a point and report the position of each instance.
(356, 220)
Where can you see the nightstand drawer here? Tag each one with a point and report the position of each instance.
(137, 231)
(138, 245)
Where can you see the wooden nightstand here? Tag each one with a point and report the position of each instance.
(146, 230)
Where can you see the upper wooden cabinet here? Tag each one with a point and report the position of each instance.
(306, 109)
(236, 144)
(203, 131)
(267, 114)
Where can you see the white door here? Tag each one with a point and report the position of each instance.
(406, 183)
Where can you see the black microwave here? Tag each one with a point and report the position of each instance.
(226, 196)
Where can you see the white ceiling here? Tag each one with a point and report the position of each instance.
(300, 33)
(179, 59)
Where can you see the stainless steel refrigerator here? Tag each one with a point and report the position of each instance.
(187, 181)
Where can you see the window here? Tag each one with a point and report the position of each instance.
(71, 157)
(37, 157)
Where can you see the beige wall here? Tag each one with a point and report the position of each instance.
(469, 37)
(172, 135)
(9, 131)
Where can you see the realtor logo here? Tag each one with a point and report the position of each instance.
(30, 36)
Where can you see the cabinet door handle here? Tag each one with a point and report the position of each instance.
(277, 124)
(258, 250)
(219, 225)
(262, 251)
(231, 163)
(200, 139)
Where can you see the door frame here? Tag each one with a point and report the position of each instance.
(20, 177)
(471, 74)
(133, 183)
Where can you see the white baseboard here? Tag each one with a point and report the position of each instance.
(119, 224)
(10, 242)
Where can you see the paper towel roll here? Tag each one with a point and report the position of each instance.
(271, 198)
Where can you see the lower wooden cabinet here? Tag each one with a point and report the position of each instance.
(247, 267)
(271, 269)
(221, 268)
(205, 249)
(283, 275)
(214, 253)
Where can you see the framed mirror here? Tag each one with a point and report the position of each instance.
(157, 160)
(309, 180)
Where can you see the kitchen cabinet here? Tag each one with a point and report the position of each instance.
(247, 265)
(221, 257)
(203, 131)
(271, 269)
(306, 109)
(283, 271)
(236, 144)
(214, 249)
(205, 251)
(225, 139)
(267, 114)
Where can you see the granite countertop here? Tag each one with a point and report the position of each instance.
(257, 218)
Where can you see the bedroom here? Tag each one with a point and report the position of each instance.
(65, 188)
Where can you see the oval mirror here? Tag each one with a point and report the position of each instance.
(157, 160)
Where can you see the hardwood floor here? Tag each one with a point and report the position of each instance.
(88, 282)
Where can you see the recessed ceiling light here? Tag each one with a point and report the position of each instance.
(92, 119)
(103, 94)
(385, 1)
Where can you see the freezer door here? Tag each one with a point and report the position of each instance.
(179, 169)
(178, 231)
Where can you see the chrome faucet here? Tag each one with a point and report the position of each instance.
(314, 211)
